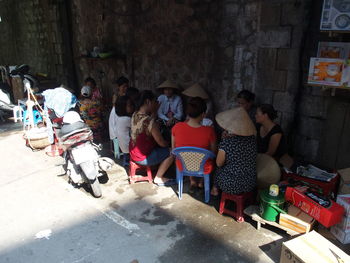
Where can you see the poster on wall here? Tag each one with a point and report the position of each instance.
(333, 50)
(331, 72)
(335, 15)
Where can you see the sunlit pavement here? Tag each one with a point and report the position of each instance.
(44, 219)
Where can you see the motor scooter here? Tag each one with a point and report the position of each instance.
(23, 72)
(82, 161)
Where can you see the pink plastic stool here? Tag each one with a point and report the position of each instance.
(240, 201)
(133, 178)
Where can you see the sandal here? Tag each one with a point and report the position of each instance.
(166, 183)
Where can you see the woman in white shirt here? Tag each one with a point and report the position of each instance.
(170, 105)
(120, 122)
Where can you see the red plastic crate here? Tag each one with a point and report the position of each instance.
(327, 216)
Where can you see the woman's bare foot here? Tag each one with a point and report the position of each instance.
(193, 182)
(214, 191)
(200, 184)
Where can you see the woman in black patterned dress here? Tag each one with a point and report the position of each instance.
(236, 159)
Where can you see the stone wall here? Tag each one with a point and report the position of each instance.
(210, 42)
(225, 45)
(31, 33)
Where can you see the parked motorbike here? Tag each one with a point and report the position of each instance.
(83, 164)
(6, 98)
(23, 72)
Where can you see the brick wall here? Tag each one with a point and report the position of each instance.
(226, 45)
(31, 34)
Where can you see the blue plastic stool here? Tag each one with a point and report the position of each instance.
(116, 149)
(36, 116)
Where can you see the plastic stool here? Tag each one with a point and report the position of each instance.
(239, 200)
(133, 178)
(116, 149)
(36, 116)
(17, 113)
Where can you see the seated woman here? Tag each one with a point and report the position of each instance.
(147, 146)
(96, 93)
(170, 108)
(196, 90)
(122, 84)
(123, 110)
(193, 133)
(270, 136)
(237, 153)
(90, 111)
(245, 99)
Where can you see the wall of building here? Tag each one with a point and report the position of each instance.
(32, 33)
(225, 45)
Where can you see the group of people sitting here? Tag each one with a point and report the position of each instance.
(149, 126)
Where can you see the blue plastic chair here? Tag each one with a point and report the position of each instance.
(193, 160)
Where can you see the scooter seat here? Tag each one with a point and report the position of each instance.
(68, 129)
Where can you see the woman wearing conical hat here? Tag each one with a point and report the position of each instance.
(237, 153)
(196, 90)
(170, 104)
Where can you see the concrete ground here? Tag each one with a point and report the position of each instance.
(44, 219)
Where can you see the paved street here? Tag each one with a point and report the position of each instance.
(44, 219)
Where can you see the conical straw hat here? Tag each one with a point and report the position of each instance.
(236, 121)
(196, 91)
(168, 84)
(268, 171)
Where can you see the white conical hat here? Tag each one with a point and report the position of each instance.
(196, 90)
(268, 171)
(236, 121)
(168, 84)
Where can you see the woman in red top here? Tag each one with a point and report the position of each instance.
(147, 146)
(192, 133)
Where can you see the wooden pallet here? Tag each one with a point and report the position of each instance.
(253, 212)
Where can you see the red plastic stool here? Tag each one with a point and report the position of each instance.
(132, 173)
(240, 201)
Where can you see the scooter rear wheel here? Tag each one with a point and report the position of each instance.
(96, 189)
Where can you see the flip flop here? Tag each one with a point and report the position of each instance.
(167, 183)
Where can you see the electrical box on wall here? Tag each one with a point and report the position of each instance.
(335, 15)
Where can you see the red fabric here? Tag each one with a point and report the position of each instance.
(200, 137)
(142, 148)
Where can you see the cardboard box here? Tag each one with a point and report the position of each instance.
(344, 184)
(312, 247)
(344, 201)
(296, 220)
(341, 235)
(344, 224)
(17, 88)
(325, 211)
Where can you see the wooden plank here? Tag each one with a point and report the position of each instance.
(253, 212)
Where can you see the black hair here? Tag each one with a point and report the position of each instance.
(269, 110)
(144, 95)
(196, 106)
(122, 80)
(120, 106)
(89, 79)
(133, 93)
(247, 95)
